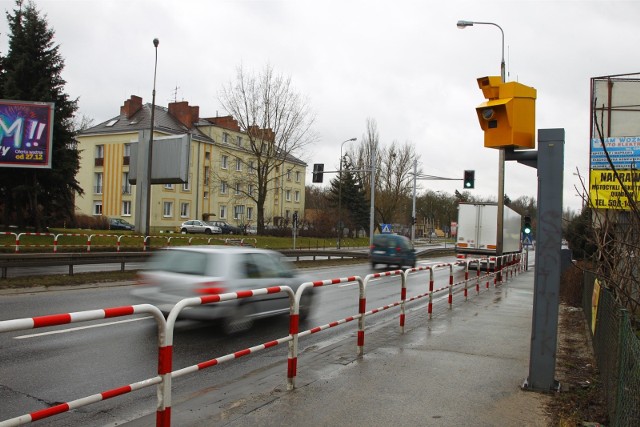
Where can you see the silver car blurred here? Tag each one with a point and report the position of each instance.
(183, 272)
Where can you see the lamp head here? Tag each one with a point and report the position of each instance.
(464, 24)
(156, 42)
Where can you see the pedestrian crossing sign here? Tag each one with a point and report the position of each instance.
(386, 228)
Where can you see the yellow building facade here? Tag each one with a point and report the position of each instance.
(221, 175)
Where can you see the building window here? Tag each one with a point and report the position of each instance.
(296, 196)
(99, 158)
(186, 186)
(239, 141)
(250, 190)
(252, 168)
(206, 175)
(287, 194)
(126, 187)
(126, 156)
(298, 176)
(184, 210)
(238, 189)
(97, 178)
(223, 187)
(286, 213)
(289, 175)
(126, 208)
(225, 162)
(238, 210)
(167, 209)
(249, 213)
(97, 207)
(225, 137)
(168, 187)
(223, 211)
(238, 165)
(207, 155)
(206, 194)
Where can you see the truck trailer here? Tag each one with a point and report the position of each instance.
(477, 230)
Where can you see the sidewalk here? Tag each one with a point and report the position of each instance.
(463, 367)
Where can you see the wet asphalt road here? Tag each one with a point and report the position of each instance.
(39, 368)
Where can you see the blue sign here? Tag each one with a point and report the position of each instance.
(386, 228)
(624, 152)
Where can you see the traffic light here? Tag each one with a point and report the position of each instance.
(508, 117)
(526, 227)
(318, 168)
(469, 179)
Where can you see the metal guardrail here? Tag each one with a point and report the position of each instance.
(26, 260)
(61, 259)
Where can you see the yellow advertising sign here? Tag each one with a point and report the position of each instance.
(606, 191)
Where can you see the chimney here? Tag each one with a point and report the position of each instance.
(131, 106)
(263, 134)
(184, 113)
(227, 122)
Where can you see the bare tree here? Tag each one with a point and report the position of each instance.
(393, 174)
(613, 234)
(277, 121)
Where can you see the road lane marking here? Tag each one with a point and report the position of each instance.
(62, 331)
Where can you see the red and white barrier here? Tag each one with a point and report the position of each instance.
(84, 316)
(166, 330)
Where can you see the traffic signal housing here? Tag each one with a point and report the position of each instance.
(318, 168)
(469, 180)
(508, 116)
(526, 226)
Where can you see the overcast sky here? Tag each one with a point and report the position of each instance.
(403, 63)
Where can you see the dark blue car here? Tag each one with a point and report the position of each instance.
(392, 249)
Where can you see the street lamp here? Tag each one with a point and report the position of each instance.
(499, 235)
(340, 228)
(150, 151)
(464, 24)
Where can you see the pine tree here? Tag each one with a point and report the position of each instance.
(31, 71)
(354, 206)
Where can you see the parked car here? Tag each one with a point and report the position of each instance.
(182, 272)
(392, 249)
(251, 230)
(197, 226)
(226, 227)
(120, 224)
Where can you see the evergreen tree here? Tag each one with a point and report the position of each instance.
(31, 71)
(354, 206)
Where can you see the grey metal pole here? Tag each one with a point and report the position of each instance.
(413, 209)
(373, 196)
(544, 330)
(340, 228)
(150, 149)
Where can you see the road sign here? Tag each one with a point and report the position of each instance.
(386, 228)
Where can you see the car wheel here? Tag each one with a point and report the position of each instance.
(240, 321)
(207, 231)
(184, 231)
(306, 302)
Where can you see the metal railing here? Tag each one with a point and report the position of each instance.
(165, 331)
(617, 351)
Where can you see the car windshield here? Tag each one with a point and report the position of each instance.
(187, 262)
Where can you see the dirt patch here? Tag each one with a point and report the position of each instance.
(581, 398)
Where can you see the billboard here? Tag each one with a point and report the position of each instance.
(26, 134)
(614, 160)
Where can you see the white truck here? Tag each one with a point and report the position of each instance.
(477, 230)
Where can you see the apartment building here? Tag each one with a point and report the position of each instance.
(221, 179)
